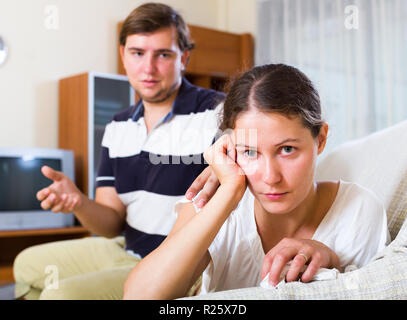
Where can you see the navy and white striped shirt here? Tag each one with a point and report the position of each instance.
(153, 171)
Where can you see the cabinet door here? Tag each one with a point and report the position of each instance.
(111, 94)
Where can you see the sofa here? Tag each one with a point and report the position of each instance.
(378, 162)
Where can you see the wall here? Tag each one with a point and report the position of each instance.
(83, 38)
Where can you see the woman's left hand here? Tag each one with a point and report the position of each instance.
(309, 253)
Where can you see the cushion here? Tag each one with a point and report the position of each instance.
(377, 162)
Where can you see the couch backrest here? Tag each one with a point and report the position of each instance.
(378, 162)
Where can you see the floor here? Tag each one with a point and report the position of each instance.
(7, 292)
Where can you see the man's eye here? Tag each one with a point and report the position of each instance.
(250, 153)
(287, 150)
(137, 54)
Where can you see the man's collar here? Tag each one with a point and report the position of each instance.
(177, 105)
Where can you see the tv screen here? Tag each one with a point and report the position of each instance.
(21, 179)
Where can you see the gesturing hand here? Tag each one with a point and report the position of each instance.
(310, 254)
(62, 195)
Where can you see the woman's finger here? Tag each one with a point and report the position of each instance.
(297, 266)
(279, 262)
(312, 269)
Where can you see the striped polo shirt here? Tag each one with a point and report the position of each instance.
(151, 171)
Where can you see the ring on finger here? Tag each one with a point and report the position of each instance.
(304, 256)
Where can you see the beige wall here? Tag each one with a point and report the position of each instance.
(84, 40)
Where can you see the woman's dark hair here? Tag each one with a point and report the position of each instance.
(274, 88)
(150, 17)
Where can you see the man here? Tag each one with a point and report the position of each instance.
(151, 153)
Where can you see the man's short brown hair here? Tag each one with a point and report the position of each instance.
(150, 17)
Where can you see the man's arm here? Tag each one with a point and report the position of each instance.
(103, 216)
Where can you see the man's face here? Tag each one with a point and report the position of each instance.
(154, 62)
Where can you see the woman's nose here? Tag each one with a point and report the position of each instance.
(272, 172)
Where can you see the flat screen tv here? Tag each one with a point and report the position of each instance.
(21, 179)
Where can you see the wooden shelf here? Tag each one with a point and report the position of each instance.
(6, 274)
(12, 242)
(42, 232)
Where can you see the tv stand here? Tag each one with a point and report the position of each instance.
(14, 241)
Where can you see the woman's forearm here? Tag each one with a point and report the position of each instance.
(167, 272)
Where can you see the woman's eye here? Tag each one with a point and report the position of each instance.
(287, 150)
(250, 153)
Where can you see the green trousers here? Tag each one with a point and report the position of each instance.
(93, 268)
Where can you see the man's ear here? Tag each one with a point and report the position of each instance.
(322, 137)
(185, 59)
(121, 49)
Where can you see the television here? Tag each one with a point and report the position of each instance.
(20, 180)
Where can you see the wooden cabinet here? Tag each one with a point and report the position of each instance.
(87, 102)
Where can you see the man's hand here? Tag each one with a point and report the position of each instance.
(208, 183)
(309, 254)
(62, 195)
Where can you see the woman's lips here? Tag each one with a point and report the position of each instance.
(275, 196)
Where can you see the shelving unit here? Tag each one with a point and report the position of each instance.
(87, 102)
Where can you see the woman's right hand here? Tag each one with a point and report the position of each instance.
(221, 157)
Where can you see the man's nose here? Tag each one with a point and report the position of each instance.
(149, 64)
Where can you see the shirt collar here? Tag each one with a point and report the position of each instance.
(177, 105)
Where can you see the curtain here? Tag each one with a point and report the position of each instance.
(355, 52)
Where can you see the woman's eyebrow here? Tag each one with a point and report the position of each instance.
(287, 140)
(244, 146)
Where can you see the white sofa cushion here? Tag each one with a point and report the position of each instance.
(378, 162)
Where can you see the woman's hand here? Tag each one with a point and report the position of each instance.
(221, 157)
(309, 254)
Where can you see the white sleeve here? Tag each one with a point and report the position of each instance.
(183, 200)
(364, 232)
(219, 250)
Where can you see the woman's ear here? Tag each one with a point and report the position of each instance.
(322, 136)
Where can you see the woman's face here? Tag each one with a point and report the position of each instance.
(278, 155)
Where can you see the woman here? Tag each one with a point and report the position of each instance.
(268, 211)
